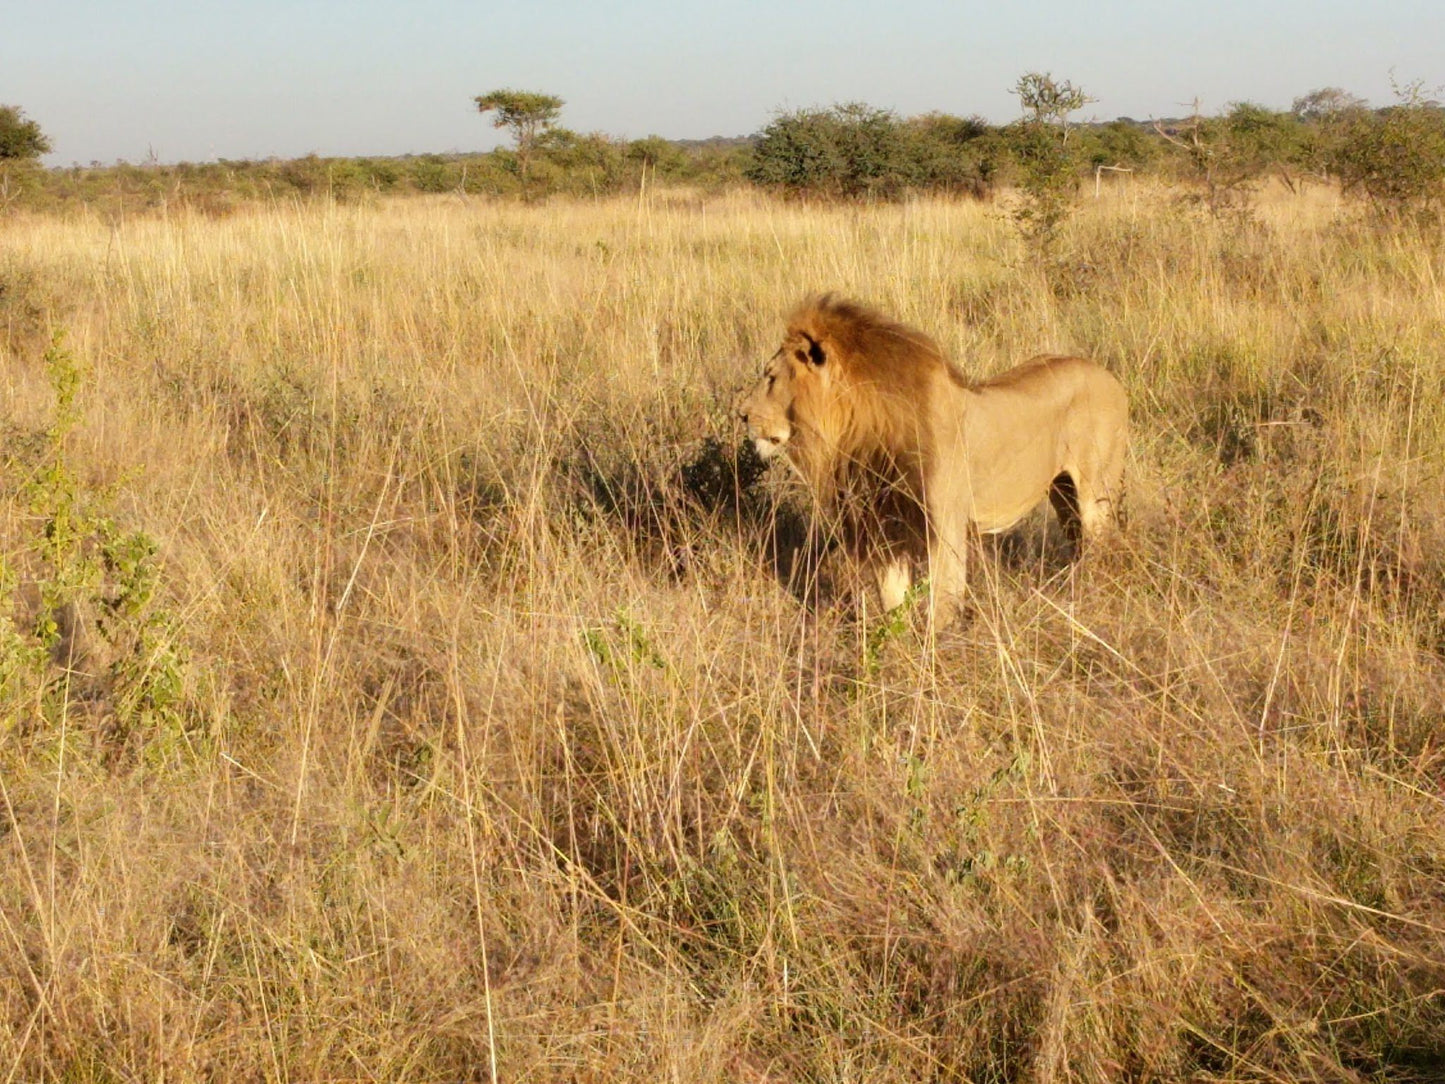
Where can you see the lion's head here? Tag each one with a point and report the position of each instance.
(845, 385)
(790, 393)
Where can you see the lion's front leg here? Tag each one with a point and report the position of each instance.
(894, 579)
(948, 575)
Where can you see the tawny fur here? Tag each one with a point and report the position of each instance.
(912, 460)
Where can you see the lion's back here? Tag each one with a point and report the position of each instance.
(1052, 385)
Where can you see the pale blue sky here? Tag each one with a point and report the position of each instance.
(254, 78)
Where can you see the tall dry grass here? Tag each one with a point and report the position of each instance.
(470, 729)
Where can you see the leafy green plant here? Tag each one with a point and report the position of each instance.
(1224, 158)
(893, 624)
(953, 154)
(528, 115)
(97, 628)
(20, 138)
(623, 645)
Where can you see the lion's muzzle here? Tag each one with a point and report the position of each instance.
(768, 439)
(767, 447)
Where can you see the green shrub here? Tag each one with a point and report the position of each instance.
(849, 150)
(1223, 158)
(1048, 160)
(20, 138)
(1394, 158)
(1121, 143)
(661, 156)
(953, 154)
(430, 173)
(97, 635)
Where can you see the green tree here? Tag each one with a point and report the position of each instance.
(1224, 157)
(1261, 141)
(1047, 100)
(952, 154)
(657, 154)
(20, 138)
(526, 114)
(851, 150)
(1325, 104)
(1395, 158)
(1324, 116)
(569, 161)
(1048, 160)
(1122, 144)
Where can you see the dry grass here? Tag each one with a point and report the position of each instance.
(466, 732)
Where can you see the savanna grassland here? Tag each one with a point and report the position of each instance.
(406, 677)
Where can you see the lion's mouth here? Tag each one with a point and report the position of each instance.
(767, 447)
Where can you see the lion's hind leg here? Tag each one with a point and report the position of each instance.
(1099, 482)
(1099, 507)
(1064, 496)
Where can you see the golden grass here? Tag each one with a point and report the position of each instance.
(493, 751)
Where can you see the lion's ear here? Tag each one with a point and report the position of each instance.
(816, 354)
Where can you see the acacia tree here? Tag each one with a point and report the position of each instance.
(21, 142)
(1326, 104)
(1048, 161)
(20, 138)
(526, 114)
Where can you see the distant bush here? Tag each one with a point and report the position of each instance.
(848, 150)
(953, 154)
(1394, 158)
(582, 164)
(661, 156)
(1224, 157)
(856, 151)
(1122, 144)
(1263, 141)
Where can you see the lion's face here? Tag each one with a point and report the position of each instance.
(787, 395)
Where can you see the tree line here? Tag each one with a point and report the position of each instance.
(1392, 157)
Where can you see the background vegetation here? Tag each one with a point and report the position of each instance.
(403, 673)
(1393, 158)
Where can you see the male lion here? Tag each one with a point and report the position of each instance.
(912, 459)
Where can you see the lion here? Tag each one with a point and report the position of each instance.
(912, 460)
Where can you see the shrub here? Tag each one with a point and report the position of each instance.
(658, 155)
(1224, 157)
(97, 636)
(1048, 161)
(429, 173)
(591, 164)
(1394, 158)
(850, 150)
(1121, 144)
(953, 154)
